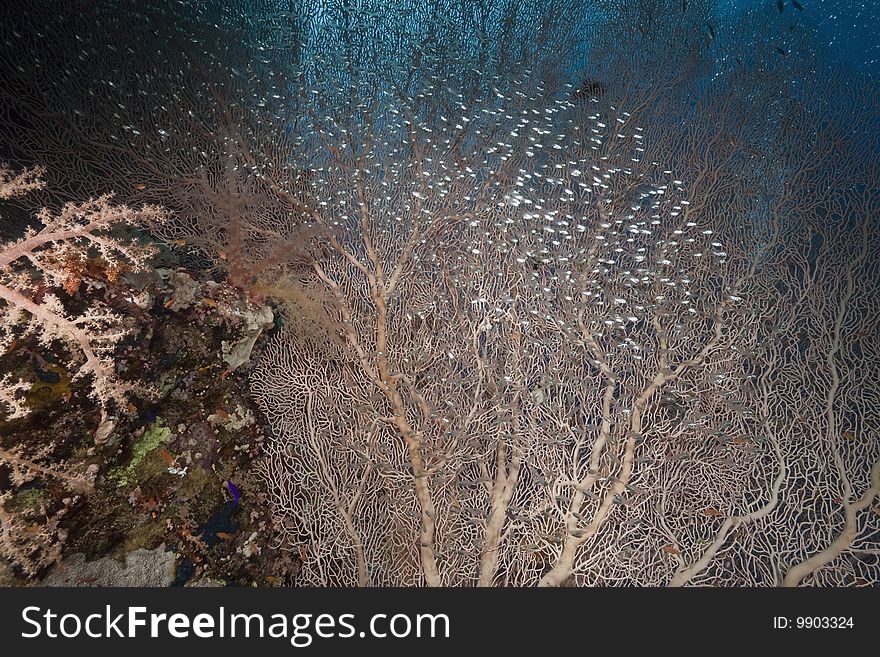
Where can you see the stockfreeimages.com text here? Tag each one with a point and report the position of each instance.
(300, 629)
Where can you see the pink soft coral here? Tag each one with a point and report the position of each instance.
(34, 267)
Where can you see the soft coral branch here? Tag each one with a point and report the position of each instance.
(46, 259)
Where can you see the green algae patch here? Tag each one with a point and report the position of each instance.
(153, 437)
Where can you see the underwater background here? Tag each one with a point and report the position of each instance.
(440, 293)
